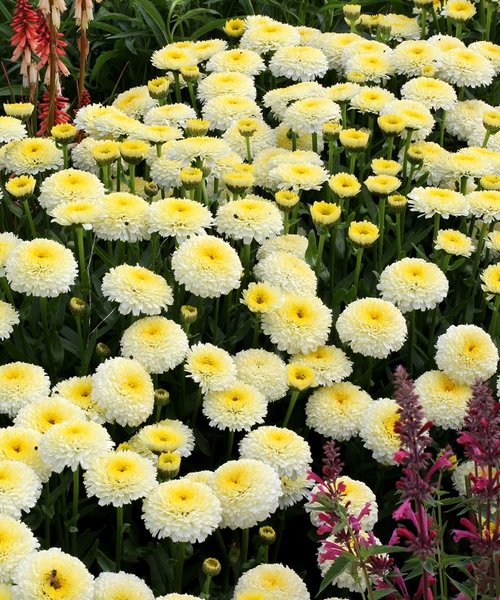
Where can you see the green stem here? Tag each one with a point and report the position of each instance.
(46, 332)
(381, 226)
(411, 341)
(76, 498)
(314, 141)
(331, 156)
(245, 538)
(286, 221)
(357, 270)
(29, 216)
(119, 537)
(399, 236)
(319, 256)
(441, 128)
(390, 147)
(352, 162)
(343, 106)
(249, 150)
(293, 136)
(494, 318)
(230, 444)
(479, 248)
(409, 134)
(65, 151)
(177, 86)
(437, 218)
(293, 400)
(192, 96)
(423, 18)
(486, 138)
(46, 513)
(489, 15)
(181, 555)
(459, 30)
(256, 330)
(84, 276)
(118, 174)
(131, 177)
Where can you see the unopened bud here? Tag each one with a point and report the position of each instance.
(77, 306)
(211, 567)
(151, 189)
(189, 313)
(162, 397)
(169, 464)
(102, 350)
(267, 535)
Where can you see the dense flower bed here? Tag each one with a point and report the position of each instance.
(212, 276)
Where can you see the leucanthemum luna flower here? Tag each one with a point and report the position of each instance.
(74, 444)
(268, 36)
(411, 57)
(310, 114)
(182, 510)
(33, 155)
(78, 391)
(248, 490)
(158, 343)
(299, 63)
(20, 384)
(11, 129)
(466, 353)
(453, 241)
(223, 110)
(124, 389)
(228, 82)
(21, 444)
(371, 99)
(283, 449)
(169, 435)
(485, 204)
(330, 364)
(432, 93)
(16, 542)
(20, 488)
(413, 284)
(291, 243)
(211, 367)
(135, 101)
(8, 318)
(43, 413)
(337, 410)
(444, 400)
(264, 370)
(173, 115)
(260, 297)
(372, 327)
(52, 574)
(298, 176)
(377, 431)
(300, 324)
(491, 280)
(119, 477)
(207, 266)
(249, 218)
(287, 273)
(8, 241)
(238, 407)
(465, 67)
(137, 290)
(41, 267)
(123, 217)
(172, 58)
(429, 201)
(237, 60)
(277, 580)
(120, 586)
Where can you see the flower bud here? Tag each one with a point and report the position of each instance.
(158, 88)
(63, 133)
(162, 397)
(77, 306)
(103, 351)
(21, 187)
(211, 567)
(267, 535)
(189, 313)
(234, 28)
(169, 464)
(191, 177)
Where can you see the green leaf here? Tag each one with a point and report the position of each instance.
(104, 562)
(382, 593)
(339, 565)
(154, 20)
